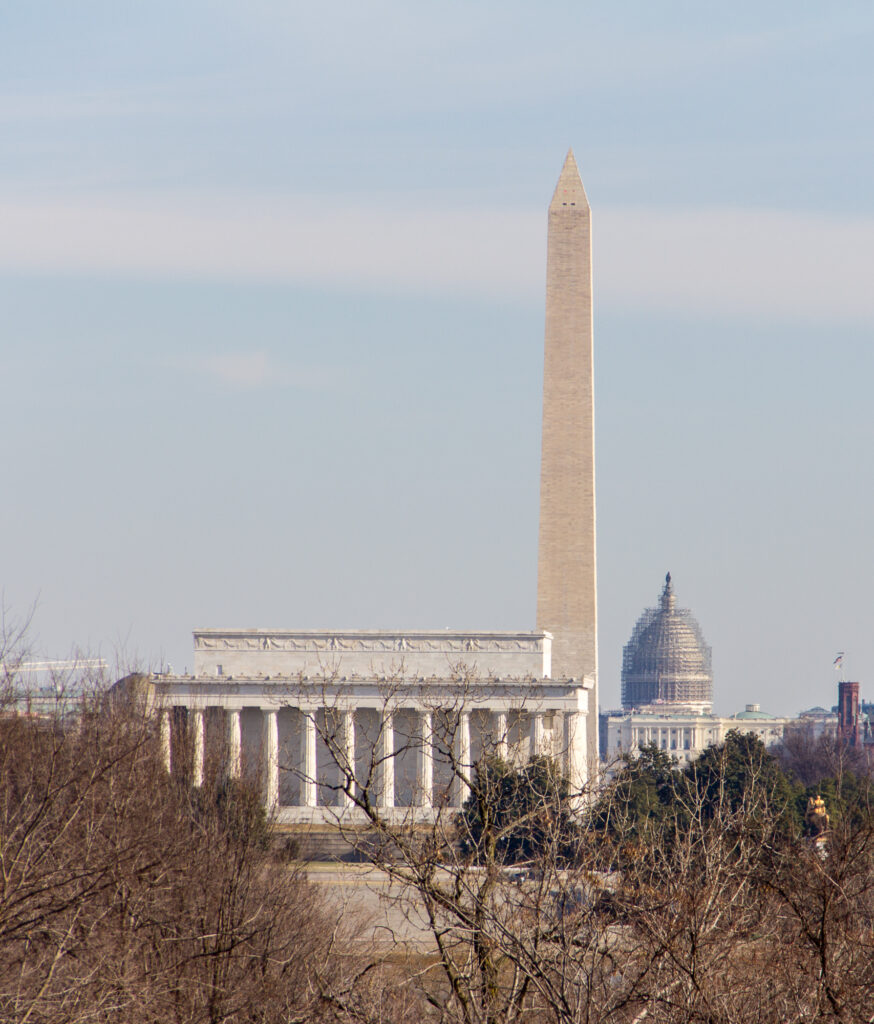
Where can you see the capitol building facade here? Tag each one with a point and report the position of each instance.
(667, 691)
(684, 733)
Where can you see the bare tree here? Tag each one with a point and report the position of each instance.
(507, 941)
(822, 950)
(719, 911)
(128, 894)
(810, 758)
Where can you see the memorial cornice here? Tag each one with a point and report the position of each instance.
(376, 691)
(368, 641)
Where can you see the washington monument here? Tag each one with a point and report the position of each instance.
(529, 694)
(566, 592)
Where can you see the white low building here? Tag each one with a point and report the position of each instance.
(685, 732)
(407, 714)
(817, 722)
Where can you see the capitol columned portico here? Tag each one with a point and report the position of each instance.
(397, 718)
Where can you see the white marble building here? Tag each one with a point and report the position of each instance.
(406, 713)
(685, 733)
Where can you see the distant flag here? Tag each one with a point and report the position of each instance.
(839, 660)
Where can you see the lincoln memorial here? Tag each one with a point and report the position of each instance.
(321, 716)
(329, 719)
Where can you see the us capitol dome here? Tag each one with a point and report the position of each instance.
(667, 660)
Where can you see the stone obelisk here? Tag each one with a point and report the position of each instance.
(566, 592)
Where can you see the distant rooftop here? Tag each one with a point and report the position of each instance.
(751, 712)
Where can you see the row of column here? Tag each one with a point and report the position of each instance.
(683, 737)
(343, 752)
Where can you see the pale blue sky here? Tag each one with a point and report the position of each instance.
(271, 277)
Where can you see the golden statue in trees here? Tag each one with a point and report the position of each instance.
(816, 816)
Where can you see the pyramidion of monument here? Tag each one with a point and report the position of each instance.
(422, 705)
(569, 191)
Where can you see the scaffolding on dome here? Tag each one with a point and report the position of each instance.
(667, 660)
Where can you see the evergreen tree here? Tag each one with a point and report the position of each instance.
(516, 814)
(740, 774)
(642, 796)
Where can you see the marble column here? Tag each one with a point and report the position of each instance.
(462, 766)
(385, 753)
(198, 742)
(500, 738)
(347, 747)
(308, 766)
(165, 740)
(234, 744)
(270, 755)
(425, 761)
(576, 753)
(538, 735)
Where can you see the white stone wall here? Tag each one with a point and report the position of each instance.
(280, 728)
(684, 736)
(402, 655)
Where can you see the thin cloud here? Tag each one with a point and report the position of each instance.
(240, 369)
(257, 369)
(786, 265)
(74, 106)
(321, 241)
